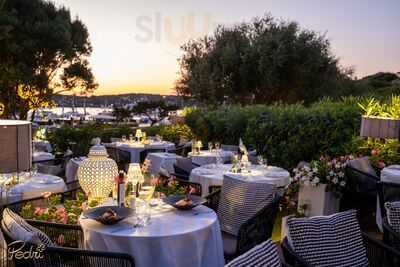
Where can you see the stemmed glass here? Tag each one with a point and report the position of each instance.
(123, 138)
(210, 146)
(131, 138)
(261, 161)
(217, 146)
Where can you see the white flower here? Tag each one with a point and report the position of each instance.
(316, 180)
(295, 170)
(337, 166)
(343, 183)
(341, 174)
(335, 180)
(306, 168)
(315, 170)
(331, 173)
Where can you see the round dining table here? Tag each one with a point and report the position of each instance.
(173, 238)
(32, 187)
(134, 148)
(205, 157)
(213, 174)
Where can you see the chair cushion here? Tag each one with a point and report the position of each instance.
(334, 240)
(263, 255)
(19, 229)
(393, 215)
(230, 243)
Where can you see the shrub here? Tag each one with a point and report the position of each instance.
(285, 134)
(172, 133)
(78, 138)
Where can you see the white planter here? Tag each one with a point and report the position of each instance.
(318, 201)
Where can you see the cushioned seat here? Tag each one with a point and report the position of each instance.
(263, 255)
(230, 243)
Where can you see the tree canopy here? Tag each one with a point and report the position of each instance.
(260, 62)
(43, 51)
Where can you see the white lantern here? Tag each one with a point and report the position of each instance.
(97, 173)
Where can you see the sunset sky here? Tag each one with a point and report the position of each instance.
(136, 43)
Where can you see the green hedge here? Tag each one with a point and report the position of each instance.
(81, 136)
(285, 134)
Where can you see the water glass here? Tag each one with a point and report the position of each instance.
(143, 213)
(210, 146)
(123, 138)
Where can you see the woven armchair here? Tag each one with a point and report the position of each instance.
(387, 192)
(360, 194)
(390, 236)
(67, 257)
(255, 230)
(379, 254)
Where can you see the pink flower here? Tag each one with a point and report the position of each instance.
(39, 211)
(84, 206)
(155, 181)
(381, 164)
(192, 190)
(375, 152)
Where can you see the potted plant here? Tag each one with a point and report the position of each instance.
(381, 120)
(321, 185)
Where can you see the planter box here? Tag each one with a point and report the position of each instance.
(380, 127)
(318, 201)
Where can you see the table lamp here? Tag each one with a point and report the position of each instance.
(97, 173)
(138, 134)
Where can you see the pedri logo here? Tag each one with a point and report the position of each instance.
(18, 250)
(158, 28)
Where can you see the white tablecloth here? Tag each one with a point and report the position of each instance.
(36, 186)
(42, 156)
(134, 148)
(162, 161)
(206, 157)
(72, 168)
(172, 239)
(390, 174)
(213, 174)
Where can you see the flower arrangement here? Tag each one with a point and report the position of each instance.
(167, 186)
(324, 171)
(56, 211)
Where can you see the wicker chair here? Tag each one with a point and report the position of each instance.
(72, 240)
(61, 256)
(251, 233)
(361, 192)
(387, 192)
(379, 254)
(390, 236)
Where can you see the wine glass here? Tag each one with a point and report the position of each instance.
(34, 170)
(210, 146)
(131, 138)
(123, 138)
(217, 145)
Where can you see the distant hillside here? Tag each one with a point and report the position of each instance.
(381, 83)
(115, 100)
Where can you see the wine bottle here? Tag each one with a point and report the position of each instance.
(121, 189)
